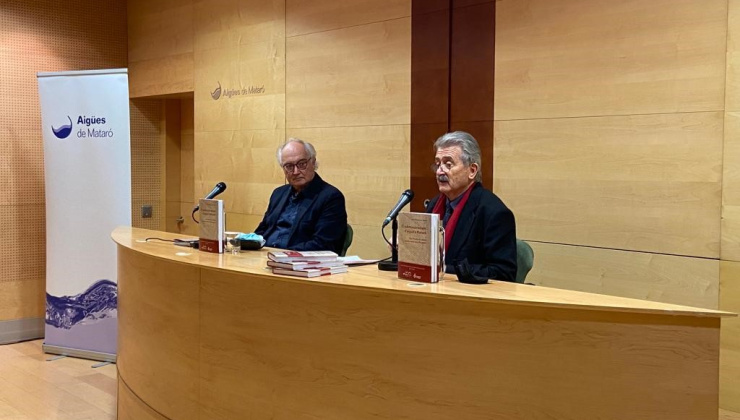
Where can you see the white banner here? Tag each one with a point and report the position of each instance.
(87, 159)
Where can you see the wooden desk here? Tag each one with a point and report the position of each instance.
(205, 336)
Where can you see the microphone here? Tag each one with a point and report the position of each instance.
(406, 198)
(218, 189)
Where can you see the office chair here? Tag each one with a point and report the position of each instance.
(347, 241)
(524, 260)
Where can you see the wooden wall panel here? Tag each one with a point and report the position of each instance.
(371, 181)
(259, 66)
(309, 16)
(357, 76)
(39, 36)
(729, 397)
(732, 79)
(20, 262)
(172, 156)
(731, 188)
(228, 23)
(160, 38)
(179, 166)
(473, 34)
(646, 183)
(730, 249)
(472, 63)
(239, 105)
(246, 161)
(599, 57)
(159, 28)
(430, 92)
(147, 162)
(22, 299)
(348, 93)
(638, 275)
(729, 372)
(187, 151)
(165, 76)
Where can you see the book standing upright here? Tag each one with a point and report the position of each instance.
(211, 226)
(420, 247)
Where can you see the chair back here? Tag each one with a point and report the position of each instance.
(524, 260)
(347, 241)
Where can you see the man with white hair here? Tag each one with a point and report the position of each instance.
(306, 214)
(479, 227)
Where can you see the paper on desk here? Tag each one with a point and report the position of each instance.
(355, 260)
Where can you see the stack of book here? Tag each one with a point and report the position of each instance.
(305, 263)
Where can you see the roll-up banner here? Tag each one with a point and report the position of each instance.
(87, 160)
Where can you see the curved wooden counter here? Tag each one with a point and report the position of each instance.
(205, 336)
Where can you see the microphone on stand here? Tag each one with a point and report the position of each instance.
(392, 265)
(218, 189)
(406, 198)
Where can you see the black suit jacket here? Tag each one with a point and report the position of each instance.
(321, 221)
(485, 234)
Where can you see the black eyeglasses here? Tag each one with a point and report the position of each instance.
(301, 165)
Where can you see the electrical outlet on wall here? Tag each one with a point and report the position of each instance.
(146, 211)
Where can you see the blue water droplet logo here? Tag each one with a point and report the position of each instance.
(216, 93)
(63, 131)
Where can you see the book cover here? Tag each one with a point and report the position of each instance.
(420, 247)
(211, 226)
(302, 265)
(311, 272)
(289, 256)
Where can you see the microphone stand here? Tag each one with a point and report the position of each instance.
(391, 265)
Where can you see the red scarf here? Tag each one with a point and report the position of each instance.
(439, 208)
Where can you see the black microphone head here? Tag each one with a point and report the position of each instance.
(405, 198)
(218, 189)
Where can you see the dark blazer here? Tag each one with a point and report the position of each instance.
(321, 222)
(485, 234)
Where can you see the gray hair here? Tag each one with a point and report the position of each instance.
(469, 146)
(308, 146)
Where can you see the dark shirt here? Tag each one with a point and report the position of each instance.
(279, 237)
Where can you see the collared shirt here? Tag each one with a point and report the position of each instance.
(281, 234)
(450, 208)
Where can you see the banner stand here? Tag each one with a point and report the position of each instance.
(82, 354)
(87, 161)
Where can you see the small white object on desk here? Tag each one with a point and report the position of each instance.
(355, 260)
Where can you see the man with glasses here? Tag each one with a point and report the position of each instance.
(307, 214)
(478, 225)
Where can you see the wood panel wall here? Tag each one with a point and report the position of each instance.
(609, 135)
(39, 36)
(730, 233)
(160, 47)
(147, 162)
(239, 45)
(348, 92)
(452, 66)
(613, 147)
